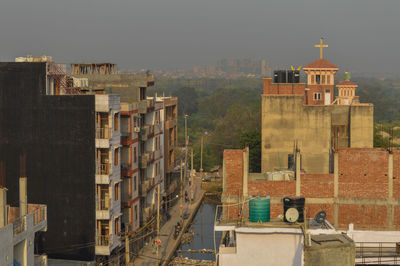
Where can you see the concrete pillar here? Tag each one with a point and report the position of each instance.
(335, 188)
(23, 199)
(390, 206)
(3, 209)
(245, 172)
(298, 173)
(390, 176)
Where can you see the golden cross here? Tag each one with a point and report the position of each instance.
(321, 46)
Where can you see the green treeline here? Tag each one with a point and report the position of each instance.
(227, 114)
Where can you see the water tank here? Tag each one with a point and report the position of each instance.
(259, 209)
(297, 203)
(280, 76)
(293, 76)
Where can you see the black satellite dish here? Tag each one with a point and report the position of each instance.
(320, 217)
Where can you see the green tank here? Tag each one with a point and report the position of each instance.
(259, 209)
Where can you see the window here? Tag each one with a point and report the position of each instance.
(317, 96)
(323, 79)
(136, 214)
(134, 183)
(318, 79)
(134, 155)
(116, 191)
(328, 79)
(116, 157)
(116, 226)
(312, 79)
(116, 122)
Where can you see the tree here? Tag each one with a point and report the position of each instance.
(252, 139)
(187, 100)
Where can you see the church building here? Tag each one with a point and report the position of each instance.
(310, 117)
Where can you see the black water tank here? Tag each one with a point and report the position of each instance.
(297, 203)
(280, 76)
(293, 76)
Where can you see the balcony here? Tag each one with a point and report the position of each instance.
(103, 204)
(170, 123)
(147, 185)
(158, 128)
(103, 169)
(126, 169)
(103, 244)
(103, 207)
(146, 106)
(103, 133)
(19, 225)
(126, 138)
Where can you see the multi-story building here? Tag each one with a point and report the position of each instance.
(130, 130)
(73, 145)
(18, 226)
(152, 153)
(142, 142)
(108, 173)
(169, 115)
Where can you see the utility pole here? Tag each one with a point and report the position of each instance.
(186, 147)
(181, 204)
(158, 220)
(127, 257)
(191, 179)
(201, 155)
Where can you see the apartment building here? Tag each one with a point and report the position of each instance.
(108, 173)
(18, 226)
(130, 165)
(169, 115)
(152, 154)
(72, 141)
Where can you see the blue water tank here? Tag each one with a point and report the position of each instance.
(259, 209)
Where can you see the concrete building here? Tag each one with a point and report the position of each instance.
(108, 174)
(278, 243)
(143, 129)
(18, 226)
(169, 115)
(361, 197)
(130, 129)
(73, 145)
(308, 115)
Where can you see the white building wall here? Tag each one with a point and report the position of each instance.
(264, 250)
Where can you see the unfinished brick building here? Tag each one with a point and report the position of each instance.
(363, 190)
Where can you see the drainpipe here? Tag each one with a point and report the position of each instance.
(298, 172)
(23, 199)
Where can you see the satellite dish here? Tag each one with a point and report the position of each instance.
(320, 217)
(292, 215)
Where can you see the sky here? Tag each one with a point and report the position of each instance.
(363, 35)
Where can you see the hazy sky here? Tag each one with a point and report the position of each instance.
(362, 35)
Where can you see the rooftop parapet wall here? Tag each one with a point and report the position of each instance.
(365, 191)
(283, 88)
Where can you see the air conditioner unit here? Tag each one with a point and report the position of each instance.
(136, 129)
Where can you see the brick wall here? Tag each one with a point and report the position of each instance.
(283, 88)
(363, 173)
(234, 172)
(317, 185)
(362, 187)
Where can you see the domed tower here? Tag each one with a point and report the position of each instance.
(347, 91)
(320, 80)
